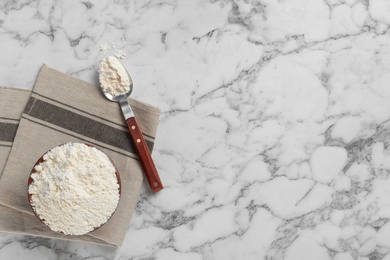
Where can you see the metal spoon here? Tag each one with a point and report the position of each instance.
(137, 138)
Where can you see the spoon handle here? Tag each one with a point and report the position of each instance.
(144, 155)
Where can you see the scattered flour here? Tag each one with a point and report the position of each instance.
(113, 77)
(75, 189)
(120, 54)
(111, 49)
(104, 47)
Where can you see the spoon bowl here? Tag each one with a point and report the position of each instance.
(117, 98)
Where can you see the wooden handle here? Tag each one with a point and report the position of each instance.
(144, 155)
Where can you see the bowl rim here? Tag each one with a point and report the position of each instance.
(30, 180)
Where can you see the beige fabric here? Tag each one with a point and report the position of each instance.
(65, 109)
(12, 103)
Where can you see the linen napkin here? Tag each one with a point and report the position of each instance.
(65, 109)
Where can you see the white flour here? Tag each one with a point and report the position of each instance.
(104, 47)
(120, 54)
(113, 77)
(75, 189)
(111, 47)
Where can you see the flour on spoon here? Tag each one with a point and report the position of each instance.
(113, 77)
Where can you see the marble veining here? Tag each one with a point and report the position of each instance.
(275, 126)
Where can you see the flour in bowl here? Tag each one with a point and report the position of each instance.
(74, 189)
(113, 77)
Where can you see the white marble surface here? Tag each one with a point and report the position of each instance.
(274, 135)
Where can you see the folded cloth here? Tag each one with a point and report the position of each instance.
(64, 109)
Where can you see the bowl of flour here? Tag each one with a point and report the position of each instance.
(74, 188)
